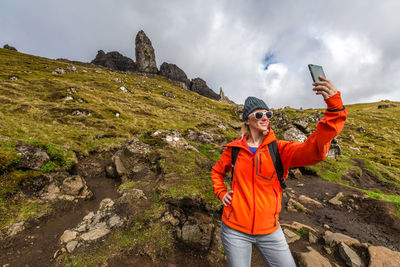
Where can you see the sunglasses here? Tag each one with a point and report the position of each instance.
(259, 114)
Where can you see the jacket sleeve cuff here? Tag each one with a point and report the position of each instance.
(222, 194)
(334, 103)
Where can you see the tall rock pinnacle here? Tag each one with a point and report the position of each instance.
(144, 51)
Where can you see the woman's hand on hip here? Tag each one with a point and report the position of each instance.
(324, 87)
(227, 199)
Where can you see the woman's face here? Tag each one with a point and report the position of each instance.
(258, 125)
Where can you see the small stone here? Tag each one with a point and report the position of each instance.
(71, 246)
(328, 250)
(13, 78)
(332, 239)
(123, 89)
(117, 80)
(327, 226)
(16, 228)
(63, 250)
(306, 200)
(68, 97)
(312, 258)
(59, 71)
(290, 236)
(300, 185)
(68, 236)
(71, 68)
(351, 258)
(336, 200)
(312, 238)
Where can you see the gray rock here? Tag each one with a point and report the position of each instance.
(73, 185)
(302, 125)
(71, 246)
(196, 234)
(13, 78)
(173, 72)
(71, 68)
(114, 60)
(223, 98)
(123, 89)
(9, 47)
(351, 258)
(144, 51)
(173, 138)
(59, 71)
(199, 86)
(294, 134)
(334, 150)
(94, 234)
(68, 236)
(31, 157)
(16, 228)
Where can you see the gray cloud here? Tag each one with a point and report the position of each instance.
(225, 42)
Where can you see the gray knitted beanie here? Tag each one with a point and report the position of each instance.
(250, 104)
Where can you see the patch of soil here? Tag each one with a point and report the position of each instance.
(368, 180)
(36, 245)
(366, 219)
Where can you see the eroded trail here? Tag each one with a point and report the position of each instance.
(36, 245)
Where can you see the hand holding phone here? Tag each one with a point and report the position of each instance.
(322, 86)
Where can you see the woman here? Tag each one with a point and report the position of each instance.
(251, 208)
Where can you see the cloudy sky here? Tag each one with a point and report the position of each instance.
(258, 48)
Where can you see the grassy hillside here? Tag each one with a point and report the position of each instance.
(85, 110)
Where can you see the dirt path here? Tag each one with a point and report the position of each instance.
(36, 245)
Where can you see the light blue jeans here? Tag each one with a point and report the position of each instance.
(273, 248)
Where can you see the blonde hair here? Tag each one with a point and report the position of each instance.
(245, 130)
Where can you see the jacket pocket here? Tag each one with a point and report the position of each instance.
(264, 166)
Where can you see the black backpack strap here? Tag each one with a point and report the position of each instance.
(235, 153)
(276, 159)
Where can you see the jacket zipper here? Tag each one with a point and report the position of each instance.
(276, 208)
(260, 164)
(254, 201)
(231, 203)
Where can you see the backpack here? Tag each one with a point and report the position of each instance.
(276, 159)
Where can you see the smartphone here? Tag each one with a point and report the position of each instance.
(316, 71)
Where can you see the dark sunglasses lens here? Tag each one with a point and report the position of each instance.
(269, 114)
(258, 115)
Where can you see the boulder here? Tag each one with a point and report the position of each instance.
(334, 149)
(59, 71)
(173, 72)
(333, 239)
(294, 206)
(302, 125)
(294, 134)
(71, 246)
(383, 257)
(197, 232)
(312, 258)
(295, 173)
(128, 160)
(31, 157)
(349, 256)
(94, 234)
(68, 236)
(144, 51)
(9, 47)
(114, 60)
(199, 86)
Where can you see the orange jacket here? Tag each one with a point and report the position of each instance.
(256, 201)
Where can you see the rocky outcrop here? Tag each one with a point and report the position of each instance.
(173, 138)
(66, 188)
(9, 47)
(294, 134)
(224, 98)
(144, 51)
(31, 157)
(381, 256)
(114, 60)
(129, 161)
(93, 226)
(173, 72)
(199, 86)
